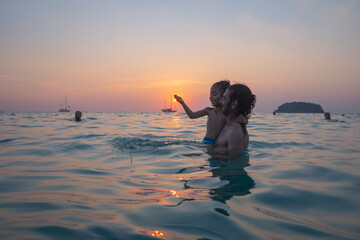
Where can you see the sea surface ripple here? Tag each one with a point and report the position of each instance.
(147, 176)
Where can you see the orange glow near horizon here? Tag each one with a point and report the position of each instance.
(139, 64)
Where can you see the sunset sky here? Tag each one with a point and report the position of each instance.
(132, 55)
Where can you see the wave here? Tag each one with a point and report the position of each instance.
(7, 140)
(272, 145)
(128, 143)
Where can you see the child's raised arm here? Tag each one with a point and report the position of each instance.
(189, 112)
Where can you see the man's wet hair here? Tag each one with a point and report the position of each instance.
(222, 85)
(246, 100)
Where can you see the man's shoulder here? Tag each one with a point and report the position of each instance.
(235, 131)
(231, 138)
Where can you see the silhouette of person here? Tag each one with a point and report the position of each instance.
(327, 116)
(234, 138)
(78, 116)
(216, 120)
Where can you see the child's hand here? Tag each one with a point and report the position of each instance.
(178, 99)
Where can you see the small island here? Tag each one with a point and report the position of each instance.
(299, 107)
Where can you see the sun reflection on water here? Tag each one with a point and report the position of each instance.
(174, 193)
(158, 234)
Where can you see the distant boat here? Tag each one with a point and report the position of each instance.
(66, 108)
(169, 110)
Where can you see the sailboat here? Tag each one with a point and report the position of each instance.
(66, 109)
(169, 110)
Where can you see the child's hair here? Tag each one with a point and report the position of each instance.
(222, 85)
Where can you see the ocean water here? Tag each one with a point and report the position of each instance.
(147, 176)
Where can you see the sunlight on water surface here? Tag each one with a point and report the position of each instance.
(147, 176)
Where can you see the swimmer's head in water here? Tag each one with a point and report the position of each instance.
(327, 115)
(78, 116)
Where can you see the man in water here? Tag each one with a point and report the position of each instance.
(237, 102)
(78, 116)
(327, 116)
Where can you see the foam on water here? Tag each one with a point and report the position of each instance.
(147, 176)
